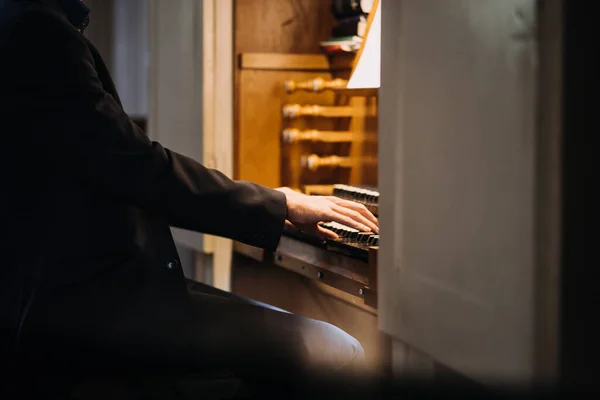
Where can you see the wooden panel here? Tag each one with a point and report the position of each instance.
(299, 62)
(345, 297)
(281, 26)
(325, 260)
(252, 252)
(334, 277)
(364, 151)
(318, 190)
(260, 156)
(281, 61)
(458, 183)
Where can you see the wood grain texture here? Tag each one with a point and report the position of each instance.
(252, 252)
(282, 26)
(328, 261)
(284, 61)
(364, 128)
(261, 158)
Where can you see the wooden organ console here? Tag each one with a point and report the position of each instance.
(338, 160)
(330, 162)
(299, 125)
(348, 263)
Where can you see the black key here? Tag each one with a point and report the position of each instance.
(363, 237)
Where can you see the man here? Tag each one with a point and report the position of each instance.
(91, 274)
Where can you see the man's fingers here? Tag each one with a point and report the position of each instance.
(357, 218)
(349, 222)
(325, 233)
(289, 224)
(357, 207)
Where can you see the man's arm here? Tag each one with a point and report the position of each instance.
(90, 137)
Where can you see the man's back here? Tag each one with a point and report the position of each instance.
(90, 273)
(87, 199)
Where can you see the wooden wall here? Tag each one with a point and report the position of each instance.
(281, 26)
(277, 27)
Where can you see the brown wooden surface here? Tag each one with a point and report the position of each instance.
(346, 276)
(359, 92)
(295, 111)
(333, 262)
(283, 61)
(345, 297)
(318, 190)
(329, 276)
(342, 64)
(364, 127)
(252, 252)
(260, 156)
(370, 293)
(291, 30)
(281, 26)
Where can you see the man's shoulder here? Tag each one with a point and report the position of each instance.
(31, 18)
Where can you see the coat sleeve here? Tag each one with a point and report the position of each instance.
(91, 138)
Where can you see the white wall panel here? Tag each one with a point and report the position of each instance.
(458, 177)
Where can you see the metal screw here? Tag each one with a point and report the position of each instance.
(361, 291)
(320, 275)
(170, 265)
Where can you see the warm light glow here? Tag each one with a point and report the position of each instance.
(367, 74)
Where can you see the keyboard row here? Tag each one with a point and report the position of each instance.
(350, 235)
(367, 197)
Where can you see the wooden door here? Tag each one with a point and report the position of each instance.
(468, 273)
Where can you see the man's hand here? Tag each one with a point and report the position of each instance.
(305, 213)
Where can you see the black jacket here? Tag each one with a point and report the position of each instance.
(87, 198)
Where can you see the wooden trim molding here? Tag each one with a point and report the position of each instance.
(293, 62)
(218, 109)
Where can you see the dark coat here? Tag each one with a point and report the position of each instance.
(87, 199)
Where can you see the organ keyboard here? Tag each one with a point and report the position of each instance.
(367, 196)
(350, 242)
(348, 263)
